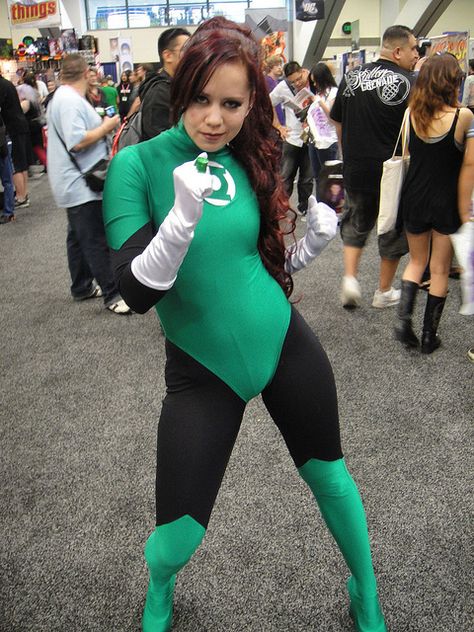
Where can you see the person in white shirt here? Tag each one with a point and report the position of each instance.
(323, 145)
(42, 89)
(295, 158)
(468, 91)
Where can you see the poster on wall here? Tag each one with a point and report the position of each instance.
(455, 43)
(306, 11)
(352, 60)
(125, 54)
(270, 30)
(33, 13)
(69, 43)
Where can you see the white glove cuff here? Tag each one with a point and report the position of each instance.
(157, 266)
(304, 251)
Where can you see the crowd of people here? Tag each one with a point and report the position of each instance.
(197, 223)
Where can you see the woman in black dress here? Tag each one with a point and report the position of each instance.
(428, 205)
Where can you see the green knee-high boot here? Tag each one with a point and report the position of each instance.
(167, 550)
(341, 507)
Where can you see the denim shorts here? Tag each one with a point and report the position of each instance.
(361, 209)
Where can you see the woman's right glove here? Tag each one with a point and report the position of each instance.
(321, 228)
(157, 266)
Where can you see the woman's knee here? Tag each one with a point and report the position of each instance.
(170, 547)
(327, 478)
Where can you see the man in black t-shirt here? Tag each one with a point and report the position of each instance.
(368, 113)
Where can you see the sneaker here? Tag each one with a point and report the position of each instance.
(23, 204)
(386, 299)
(119, 307)
(95, 292)
(350, 292)
(470, 354)
(4, 219)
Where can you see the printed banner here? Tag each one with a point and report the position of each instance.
(455, 43)
(307, 11)
(34, 13)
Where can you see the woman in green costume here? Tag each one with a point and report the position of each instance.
(194, 221)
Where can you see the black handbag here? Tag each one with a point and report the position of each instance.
(94, 177)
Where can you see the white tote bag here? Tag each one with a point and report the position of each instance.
(463, 242)
(394, 170)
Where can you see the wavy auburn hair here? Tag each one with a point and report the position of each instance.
(436, 87)
(216, 42)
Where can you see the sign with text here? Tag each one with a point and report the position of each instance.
(455, 43)
(306, 11)
(34, 13)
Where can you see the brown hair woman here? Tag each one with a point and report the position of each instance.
(428, 205)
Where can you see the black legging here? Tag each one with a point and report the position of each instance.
(201, 418)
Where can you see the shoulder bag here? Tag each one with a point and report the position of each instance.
(94, 177)
(393, 174)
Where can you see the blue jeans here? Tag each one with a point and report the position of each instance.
(6, 176)
(319, 156)
(88, 253)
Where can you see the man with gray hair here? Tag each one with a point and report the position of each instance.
(368, 112)
(77, 140)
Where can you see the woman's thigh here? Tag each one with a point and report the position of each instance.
(441, 254)
(199, 422)
(419, 246)
(302, 398)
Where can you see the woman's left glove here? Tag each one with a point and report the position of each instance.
(321, 228)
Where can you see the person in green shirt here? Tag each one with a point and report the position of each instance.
(111, 96)
(196, 219)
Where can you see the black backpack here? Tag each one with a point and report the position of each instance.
(129, 133)
(131, 130)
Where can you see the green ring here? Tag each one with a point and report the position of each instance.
(201, 164)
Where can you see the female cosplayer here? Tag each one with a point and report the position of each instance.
(204, 244)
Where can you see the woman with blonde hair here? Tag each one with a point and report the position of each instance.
(428, 205)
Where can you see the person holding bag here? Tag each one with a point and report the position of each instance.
(428, 205)
(324, 143)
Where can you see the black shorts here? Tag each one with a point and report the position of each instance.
(20, 143)
(361, 209)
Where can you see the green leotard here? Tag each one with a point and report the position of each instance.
(225, 309)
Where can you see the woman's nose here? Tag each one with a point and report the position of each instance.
(213, 115)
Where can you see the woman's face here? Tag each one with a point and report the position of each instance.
(124, 77)
(216, 115)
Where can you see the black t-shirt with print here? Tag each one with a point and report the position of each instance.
(370, 103)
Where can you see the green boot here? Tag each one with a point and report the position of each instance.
(365, 613)
(342, 510)
(158, 612)
(167, 550)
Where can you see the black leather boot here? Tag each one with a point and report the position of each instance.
(434, 308)
(403, 327)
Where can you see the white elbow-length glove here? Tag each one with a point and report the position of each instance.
(321, 228)
(157, 266)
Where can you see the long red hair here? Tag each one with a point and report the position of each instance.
(219, 41)
(436, 87)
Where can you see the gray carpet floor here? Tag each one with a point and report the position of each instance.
(80, 400)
